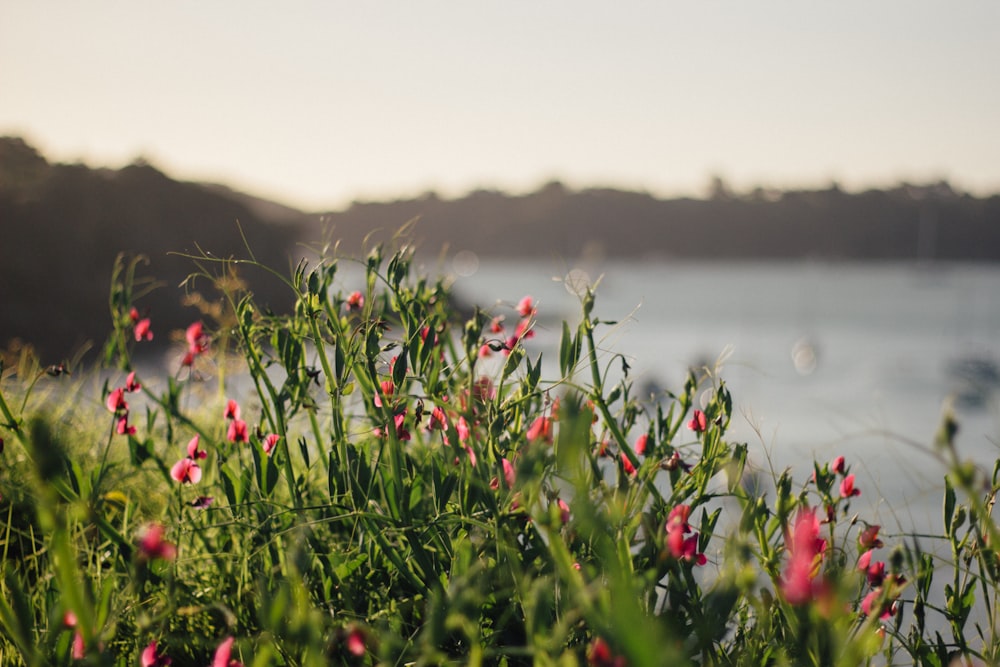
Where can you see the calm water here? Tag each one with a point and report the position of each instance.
(823, 359)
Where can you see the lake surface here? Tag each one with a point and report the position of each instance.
(823, 359)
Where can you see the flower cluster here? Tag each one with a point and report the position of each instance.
(141, 327)
(885, 587)
(680, 545)
(187, 470)
(197, 343)
(118, 406)
(523, 330)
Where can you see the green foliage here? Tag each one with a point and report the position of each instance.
(397, 484)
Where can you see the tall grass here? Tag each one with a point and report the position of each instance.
(385, 480)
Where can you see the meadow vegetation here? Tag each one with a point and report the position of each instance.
(377, 478)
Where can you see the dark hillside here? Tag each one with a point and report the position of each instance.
(63, 225)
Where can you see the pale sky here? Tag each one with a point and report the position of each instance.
(318, 102)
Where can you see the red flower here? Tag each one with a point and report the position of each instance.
(509, 474)
(355, 302)
(270, 442)
(699, 422)
(847, 489)
(143, 330)
(875, 573)
(223, 655)
(599, 655)
(152, 545)
(462, 427)
(133, 315)
(886, 609)
(627, 465)
(496, 324)
(186, 471)
(151, 657)
(232, 410)
(540, 429)
(641, 443)
(237, 431)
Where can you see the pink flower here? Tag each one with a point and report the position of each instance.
(868, 539)
(69, 619)
(699, 422)
(496, 324)
(509, 474)
(116, 400)
(270, 442)
(805, 549)
(186, 471)
(438, 420)
(526, 306)
(143, 330)
(641, 443)
(152, 545)
(223, 655)
(355, 301)
(79, 650)
(847, 489)
(864, 560)
(232, 410)
(875, 573)
(563, 510)
(202, 502)
(151, 657)
(133, 315)
(599, 655)
(681, 547)
(462, 427)
(123, 427)
(388, 388)
(886, 609)
(540, 429)
(355, 641)
(523, 330)
(131, 384)
(837, 465)
(237, 431)
(197, 343)
(193, 451)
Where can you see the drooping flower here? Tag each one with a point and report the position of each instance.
(186, 471)
(270, 442)
(223, 654)
(151, 657)
(699, 422)
(355, 301)
(847, 489)
(152, 545)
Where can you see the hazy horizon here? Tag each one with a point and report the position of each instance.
(324, 103)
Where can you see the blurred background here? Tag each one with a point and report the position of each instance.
(809, 190)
